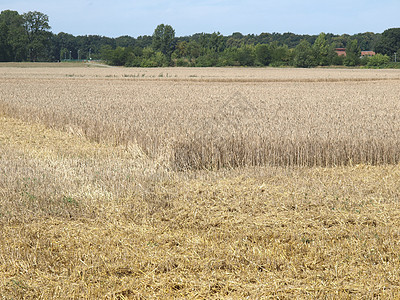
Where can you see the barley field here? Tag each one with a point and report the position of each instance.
(212, 183)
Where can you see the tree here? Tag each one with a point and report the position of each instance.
(106, 53)
(245, 55)
(36, 26)
(12, 36)
(119, 56)
(5, 47)
(304, 55)
(341, 41)
(228, 57)
(66, 43)
(181, 49)
(321, 50)
(208, 59)
(378, 60)
(263, 54)
(353, 53)
(389, 43)
(125, 41)
(216, 42)
(367, 40)
(280, 55)
(193, 49)
(164, 39)
(334, 58)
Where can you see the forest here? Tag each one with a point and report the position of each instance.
(27, 37)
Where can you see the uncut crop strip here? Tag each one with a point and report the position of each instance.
(195, 125)
(199, 74)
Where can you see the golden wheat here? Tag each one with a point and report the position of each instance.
(95, 210)
(331, 119)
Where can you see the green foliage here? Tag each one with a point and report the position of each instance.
(193, 49)
(63, 54)
(228, 57)
(392, 65)
(364, 61)
(27, 37)
(182, 62)
(246, 56)
(164, 39)
(378, 60)
(322, 50)
(5, 47)
(353, 53)
(36, 26)
(125, 41)
(337, 60)
(263, 54)
(214, 42)
(13, 39)
(119, 56)
(281, 55)
(243, 56)
(390, 42)
(146, 58)
(181, 50)
(367, 40)
(106, 53)
(209, 59)
(304, 55)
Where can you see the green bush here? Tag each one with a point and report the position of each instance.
(378, 60)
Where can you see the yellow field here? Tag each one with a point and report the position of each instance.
(199, 183)
(236, 117)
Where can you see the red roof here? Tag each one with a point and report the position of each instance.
(341, 51)
(367, 53)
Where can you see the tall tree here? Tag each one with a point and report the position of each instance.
(125, 41)
(353, 53)
(390, 42)
(304, 55)
(164, 39)
(36, 27)
(216, 42)
(12, 38)
(263, 54)
(321, 50)
(5, 47)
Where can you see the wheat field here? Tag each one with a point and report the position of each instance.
(297, 118)
(214, 183)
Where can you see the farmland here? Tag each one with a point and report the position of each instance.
(199, 183)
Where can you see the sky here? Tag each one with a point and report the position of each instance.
(115, 18)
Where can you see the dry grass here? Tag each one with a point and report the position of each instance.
(86, 219)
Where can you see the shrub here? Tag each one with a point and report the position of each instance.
(378, 60)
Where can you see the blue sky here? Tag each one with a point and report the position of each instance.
(114, 18)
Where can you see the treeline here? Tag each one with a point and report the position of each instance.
(208, 50)
(27, 37)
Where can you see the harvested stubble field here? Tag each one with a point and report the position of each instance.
(199, 183)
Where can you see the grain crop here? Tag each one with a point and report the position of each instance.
(203, 184)
(297, 118)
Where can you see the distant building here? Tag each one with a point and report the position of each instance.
(341, 51)
(367, 53)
